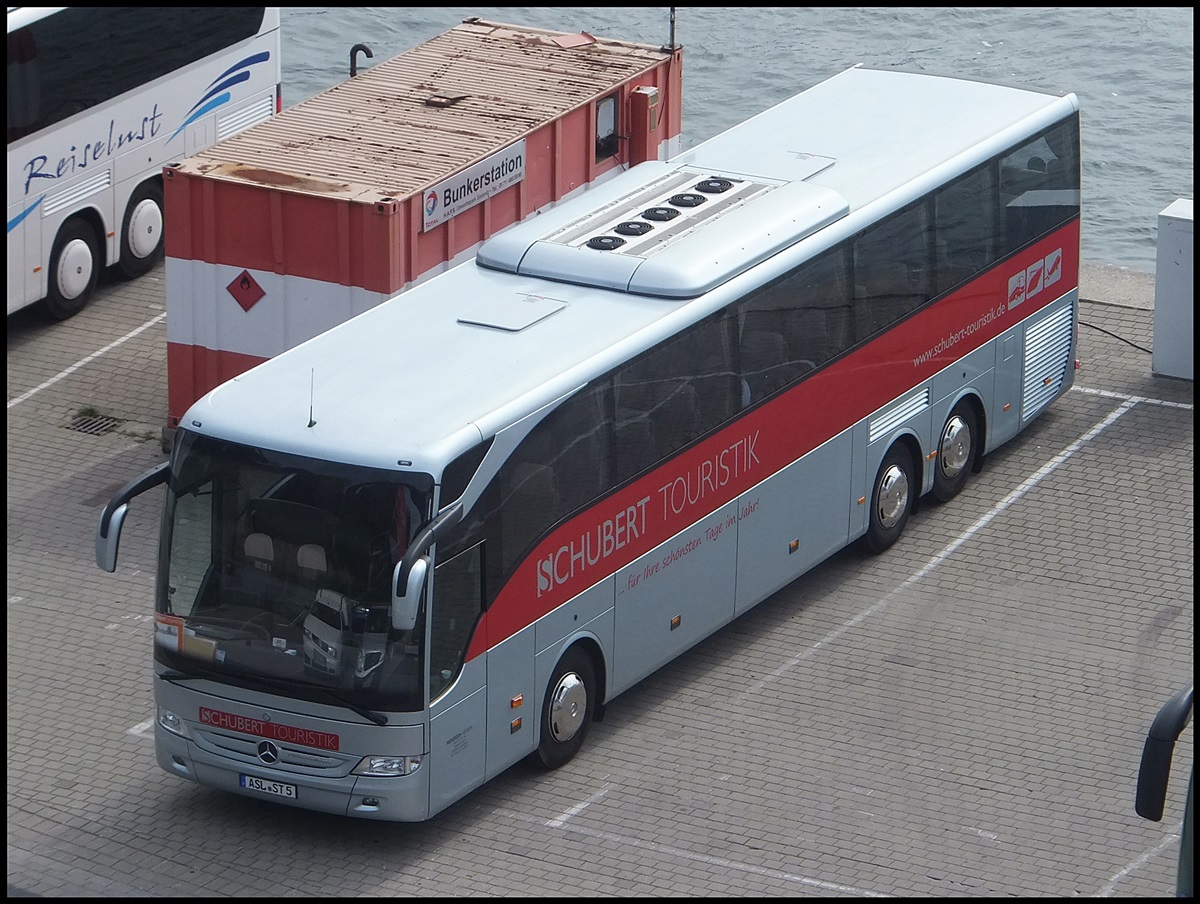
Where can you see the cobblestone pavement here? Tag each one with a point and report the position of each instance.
(961, 716)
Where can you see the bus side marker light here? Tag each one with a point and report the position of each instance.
(676, 622)
(514, 726)
(793, 546)
(931, 456)
(1007, 405)
(862, 499)
(516, 701)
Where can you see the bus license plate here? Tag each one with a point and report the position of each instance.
(279, 789)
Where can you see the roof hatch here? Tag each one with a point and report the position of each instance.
(678, 235)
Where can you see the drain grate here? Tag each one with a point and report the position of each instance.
(95, 425)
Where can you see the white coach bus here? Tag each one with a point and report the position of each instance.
(99, 99)
(443, 536)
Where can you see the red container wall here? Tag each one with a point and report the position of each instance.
(272, 222)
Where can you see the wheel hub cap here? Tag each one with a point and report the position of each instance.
(893, 496)
(567, 707)
(955, 449)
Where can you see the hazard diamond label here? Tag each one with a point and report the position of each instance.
(245, 290)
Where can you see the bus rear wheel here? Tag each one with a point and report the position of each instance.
(955, 452)
(74, 269)
(142, 230)
(568, 710)
(891, 499)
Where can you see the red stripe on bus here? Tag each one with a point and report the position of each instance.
(628, 524)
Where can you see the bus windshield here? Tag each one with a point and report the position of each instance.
(276, 569)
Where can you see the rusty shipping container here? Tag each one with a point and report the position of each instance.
(344, 200)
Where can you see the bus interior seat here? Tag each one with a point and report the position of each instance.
(311, 561)
(259, 550)
(250, 576)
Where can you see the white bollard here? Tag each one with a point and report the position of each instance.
(1173, 298)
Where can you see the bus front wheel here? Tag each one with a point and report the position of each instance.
(891, 499)
(74, 268)
(142, 230)
(568, 710)
(955, 452)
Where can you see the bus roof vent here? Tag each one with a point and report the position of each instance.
(677, 234)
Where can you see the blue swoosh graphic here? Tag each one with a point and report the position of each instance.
(228, 83)
(219, 100)
(244, 64)
(212, 99)
(16, 221)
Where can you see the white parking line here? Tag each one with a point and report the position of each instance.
(1141, 861)
(560, 821)
(1032, 481)
(12, 403)
(722, 862)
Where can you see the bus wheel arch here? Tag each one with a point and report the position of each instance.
(75, 264)
(893, 494)
(142, 230)
(569, 707)
(959, 449)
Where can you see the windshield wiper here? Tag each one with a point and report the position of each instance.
(259, 683)
(370, 714)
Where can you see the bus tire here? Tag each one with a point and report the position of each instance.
(955, 452)
(142, 230)
(568, 710)
(891, 499)
(74, 269)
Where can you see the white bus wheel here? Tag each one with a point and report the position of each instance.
(74, 268)
(142, 230)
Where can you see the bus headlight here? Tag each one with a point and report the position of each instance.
(172, 723)
(387, 766)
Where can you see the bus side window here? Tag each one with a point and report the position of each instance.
(530, 506)
(893, 269)
(573, 437)
(1039, 186)
(764, 363)
(717, 384)
(964, 222)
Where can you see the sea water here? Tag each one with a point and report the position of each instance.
(1130, 67)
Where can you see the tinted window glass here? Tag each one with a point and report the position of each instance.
(84, 56)
(1039, 186)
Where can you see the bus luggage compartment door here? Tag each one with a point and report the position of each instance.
(674, 596)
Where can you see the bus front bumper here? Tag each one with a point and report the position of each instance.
(399, 799)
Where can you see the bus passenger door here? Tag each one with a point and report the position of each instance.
(457, 689)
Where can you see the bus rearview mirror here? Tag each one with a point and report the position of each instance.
(405, 605)
(108, 541)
